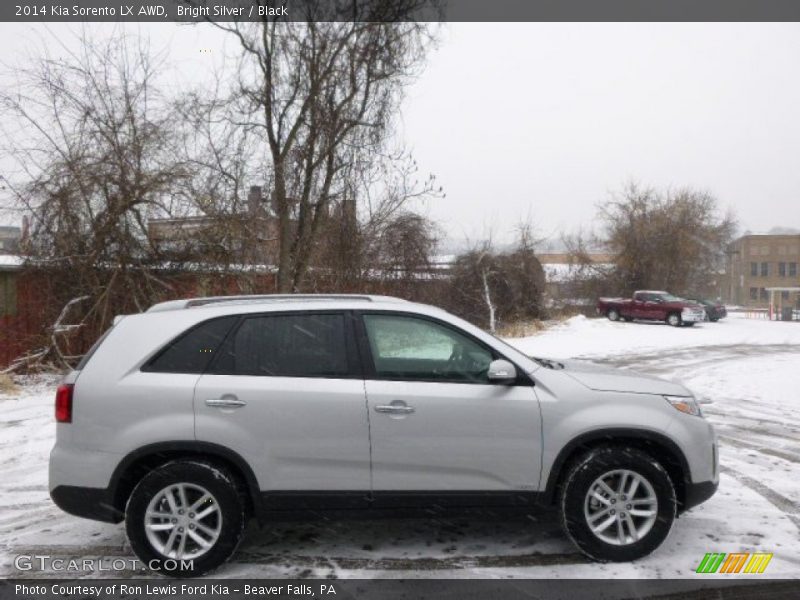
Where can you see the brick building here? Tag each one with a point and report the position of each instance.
(563, 275)
(757, 262)
(250, 235)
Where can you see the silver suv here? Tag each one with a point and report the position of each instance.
(186, 420)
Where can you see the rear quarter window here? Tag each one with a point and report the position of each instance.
(193, 350)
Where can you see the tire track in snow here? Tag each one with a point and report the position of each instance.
(758, 448)
(781, 502)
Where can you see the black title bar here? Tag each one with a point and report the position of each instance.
(378, 589)
(399, 10)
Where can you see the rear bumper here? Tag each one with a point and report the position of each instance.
(86, 502)
(697, 493)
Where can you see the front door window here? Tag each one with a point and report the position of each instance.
(409, 348)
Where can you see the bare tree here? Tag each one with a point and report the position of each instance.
(235, 236)
(383, 237)
(322, 97)
(492, 288)
(96, 163)
(673, 240)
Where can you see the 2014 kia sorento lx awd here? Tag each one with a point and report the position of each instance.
(188, 419)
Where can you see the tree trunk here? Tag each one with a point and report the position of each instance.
(488, 298)
(284, 280)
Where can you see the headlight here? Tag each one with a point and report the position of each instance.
(685, 405)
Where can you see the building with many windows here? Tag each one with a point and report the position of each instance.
(758, 262)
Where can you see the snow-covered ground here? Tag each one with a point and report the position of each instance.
(580, 337)
(748, 371)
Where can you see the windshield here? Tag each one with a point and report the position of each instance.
(506, 344)
(669, 298)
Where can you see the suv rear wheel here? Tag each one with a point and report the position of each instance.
(185, 518)
(617, 504)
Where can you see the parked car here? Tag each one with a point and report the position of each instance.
(652, 306)
(714, 310)
(188, 419)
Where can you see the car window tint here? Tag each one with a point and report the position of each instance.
(287, 346)
(422, 350)
(192, 351)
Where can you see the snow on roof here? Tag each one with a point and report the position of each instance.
(563, 272)
(10, 262)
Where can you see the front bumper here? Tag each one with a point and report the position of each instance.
(697, 493)
(693, 316)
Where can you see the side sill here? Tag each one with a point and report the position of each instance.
(288, 500)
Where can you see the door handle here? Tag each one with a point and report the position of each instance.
(225, 402)
(394, 409)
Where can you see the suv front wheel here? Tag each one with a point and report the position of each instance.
(618, 504)
(185, 518)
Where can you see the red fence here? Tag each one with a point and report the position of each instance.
(38, 301)
(36, 304)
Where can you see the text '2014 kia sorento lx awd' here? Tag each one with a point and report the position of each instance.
(186, 420)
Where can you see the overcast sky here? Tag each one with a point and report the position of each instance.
(547, 119)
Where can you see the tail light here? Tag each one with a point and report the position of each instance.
(64, 403)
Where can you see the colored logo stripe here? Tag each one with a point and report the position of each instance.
(711, 562)
(734, 563)
(758, 562)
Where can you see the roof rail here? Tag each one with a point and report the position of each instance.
(198, 302)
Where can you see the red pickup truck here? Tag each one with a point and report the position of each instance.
(652, 306)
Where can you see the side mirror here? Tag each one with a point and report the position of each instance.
(502, 371)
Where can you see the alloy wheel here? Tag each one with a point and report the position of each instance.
(621, 507)
(183, 521)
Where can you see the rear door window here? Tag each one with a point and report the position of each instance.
(290, 345)
(193, 351)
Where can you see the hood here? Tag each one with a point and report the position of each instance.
(607, 379)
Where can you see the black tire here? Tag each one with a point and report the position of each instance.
(231, 511)
(689, 324)
(612, 314)
(674, 319)
(714, 319)
(581, 477)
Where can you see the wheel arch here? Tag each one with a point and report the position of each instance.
(657, 445)
(136, 464)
